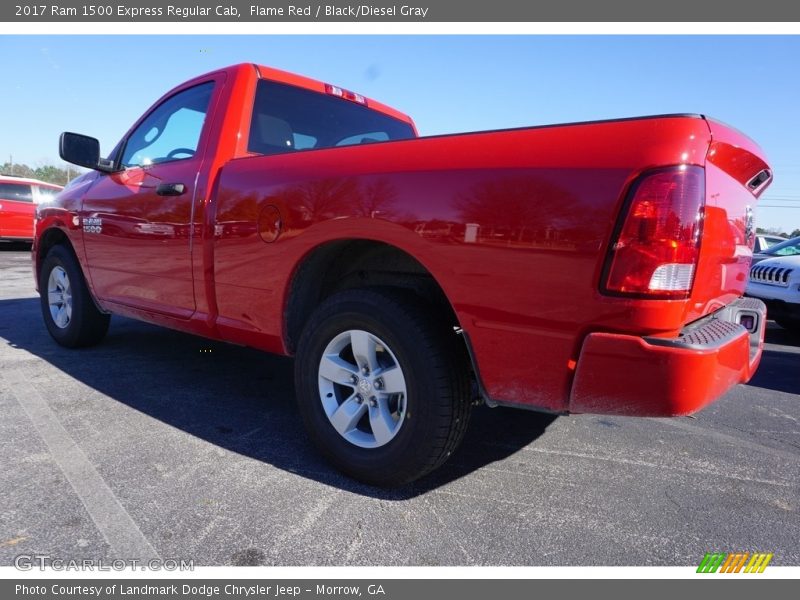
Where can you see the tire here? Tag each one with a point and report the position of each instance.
(415, 405)
(69, 312)
(790, 324)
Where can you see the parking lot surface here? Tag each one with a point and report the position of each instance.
(160, 444)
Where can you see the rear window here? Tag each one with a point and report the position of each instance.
(16, 191)
(288, 118)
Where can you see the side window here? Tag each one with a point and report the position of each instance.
(16, 191)
(171, 131)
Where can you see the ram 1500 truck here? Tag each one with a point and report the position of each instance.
(582, 268)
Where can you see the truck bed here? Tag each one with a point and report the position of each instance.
(519, 219)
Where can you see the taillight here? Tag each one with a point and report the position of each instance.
(657, 244)
(334, 90)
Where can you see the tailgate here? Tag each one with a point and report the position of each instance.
(736, 175)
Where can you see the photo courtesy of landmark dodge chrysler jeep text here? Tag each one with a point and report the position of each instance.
(590, 267)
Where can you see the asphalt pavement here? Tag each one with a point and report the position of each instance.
(160, 444)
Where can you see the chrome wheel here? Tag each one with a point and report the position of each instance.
(59, 297)
(362, 389)
(382, 384)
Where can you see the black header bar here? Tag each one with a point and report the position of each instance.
(415, 11)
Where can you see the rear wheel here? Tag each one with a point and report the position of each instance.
(69, 312)
(382, 385)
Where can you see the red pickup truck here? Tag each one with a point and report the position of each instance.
(589, 267)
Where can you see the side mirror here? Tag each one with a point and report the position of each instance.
(83, 151)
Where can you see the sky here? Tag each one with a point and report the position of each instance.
(99, 85)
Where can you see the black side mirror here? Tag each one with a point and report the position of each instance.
(83, 151)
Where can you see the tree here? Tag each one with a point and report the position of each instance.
(774, 231)
(48, 173)
(51, 174)
(17, 170)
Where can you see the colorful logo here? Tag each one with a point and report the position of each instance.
(721, 562)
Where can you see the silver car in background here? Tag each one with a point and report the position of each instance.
(790, 247)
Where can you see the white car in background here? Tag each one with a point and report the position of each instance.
(776, 281)
(764, 241)
(790, 247)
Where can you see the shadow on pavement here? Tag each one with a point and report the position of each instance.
(15, 246)
(237, 398)
(778, 370)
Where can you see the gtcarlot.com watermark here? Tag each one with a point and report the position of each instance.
(42, 562)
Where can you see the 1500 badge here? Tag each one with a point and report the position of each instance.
(92, 225)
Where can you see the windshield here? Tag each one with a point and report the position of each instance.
(788, 248)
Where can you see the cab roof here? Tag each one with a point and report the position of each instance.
(29, 181)
(265, 72)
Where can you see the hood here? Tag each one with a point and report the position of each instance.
(781, 262)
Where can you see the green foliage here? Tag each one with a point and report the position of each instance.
(16, 170)
(48, 173)
(777, 231)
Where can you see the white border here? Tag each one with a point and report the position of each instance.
(416, 28)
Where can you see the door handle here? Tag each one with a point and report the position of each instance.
(170, 189)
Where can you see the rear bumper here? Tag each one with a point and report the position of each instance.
(657, 377)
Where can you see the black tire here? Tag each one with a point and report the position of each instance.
(86, 325)
(790, 324)
(435, 369)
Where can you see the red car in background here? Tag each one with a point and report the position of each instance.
(18, 199)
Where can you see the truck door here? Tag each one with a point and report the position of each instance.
(138, 223)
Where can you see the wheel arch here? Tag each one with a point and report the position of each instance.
(57, 236)
(53, 236)
(343, 264)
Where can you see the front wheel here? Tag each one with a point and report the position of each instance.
(69, 312)
(382, 385)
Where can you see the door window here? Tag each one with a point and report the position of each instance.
(171, 131)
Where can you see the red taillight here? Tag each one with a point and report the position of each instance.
(656, 249)
(346, 94)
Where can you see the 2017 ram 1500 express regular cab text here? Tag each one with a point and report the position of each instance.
(589, 267)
